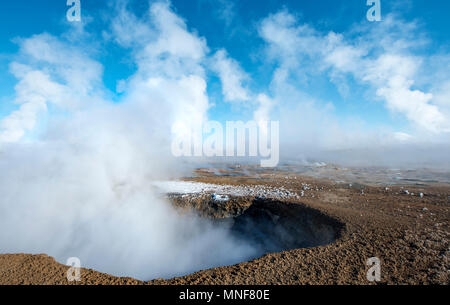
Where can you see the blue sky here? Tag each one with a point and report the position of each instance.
(331, 89)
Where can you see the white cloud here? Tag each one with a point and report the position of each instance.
(123, 21)
(173, 35)
(380, 57)
(402, 136)
(226, 11)
(169, 85)
(232, 77)
(52, 73)
(262, 113)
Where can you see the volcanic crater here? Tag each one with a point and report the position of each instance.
(269, 225)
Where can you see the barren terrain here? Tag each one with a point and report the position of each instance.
(349, 219)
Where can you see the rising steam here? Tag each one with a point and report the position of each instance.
(80, 186)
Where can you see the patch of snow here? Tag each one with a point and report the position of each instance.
(221, 191)
(220, 197)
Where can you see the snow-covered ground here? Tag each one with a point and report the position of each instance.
(190, 188)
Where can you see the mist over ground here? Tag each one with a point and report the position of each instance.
(93, 199)
(80, 184)
(407, 157)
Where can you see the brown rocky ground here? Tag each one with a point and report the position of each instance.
(409, 233)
